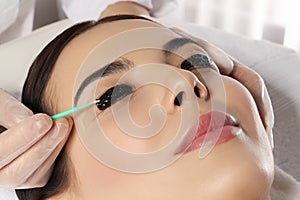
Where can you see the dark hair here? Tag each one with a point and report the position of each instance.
(33, 97)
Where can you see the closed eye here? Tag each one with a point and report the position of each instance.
(113, 95)
(197, 61)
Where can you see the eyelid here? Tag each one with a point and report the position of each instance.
(197, 61)
(109, 97)
(110, 86)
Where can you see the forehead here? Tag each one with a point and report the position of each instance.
(73, 55)
(75, 52)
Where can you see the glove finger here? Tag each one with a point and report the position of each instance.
(222, 60)
(12, 111)
(41, 175)
(256, 86)
(18, 139)
(17, 172)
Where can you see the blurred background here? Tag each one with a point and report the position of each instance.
(272, 20)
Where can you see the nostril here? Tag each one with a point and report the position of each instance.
(178, 99)
(196, 91)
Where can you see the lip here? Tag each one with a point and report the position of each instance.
(211, 127)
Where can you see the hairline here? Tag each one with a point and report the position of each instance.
(103, 21)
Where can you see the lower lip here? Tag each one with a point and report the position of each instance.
(225, 134)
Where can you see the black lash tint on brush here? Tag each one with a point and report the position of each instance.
(196, 61)
(113, 95)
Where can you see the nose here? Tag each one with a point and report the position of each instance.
(187, 87)
(200, 90)
(170, 87)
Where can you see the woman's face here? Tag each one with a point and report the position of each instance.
(238, 167)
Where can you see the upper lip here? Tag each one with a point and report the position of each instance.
(206, 123)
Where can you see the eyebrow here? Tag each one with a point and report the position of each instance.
(176, 43)
(122, 64)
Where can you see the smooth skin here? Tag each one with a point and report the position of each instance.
(20, 121)
(241, 168)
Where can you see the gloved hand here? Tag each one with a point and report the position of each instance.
(30, 145)
(248, 77)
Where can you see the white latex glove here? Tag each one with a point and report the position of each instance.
(30, 145)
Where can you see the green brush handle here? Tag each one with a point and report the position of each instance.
(68, 112)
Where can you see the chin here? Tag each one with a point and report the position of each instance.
(251, 172)
(236, 170)
(248, 181)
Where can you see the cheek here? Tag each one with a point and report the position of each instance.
(129, 136)
(93, 177)
(242, 106)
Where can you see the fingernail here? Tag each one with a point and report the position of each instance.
(42, 124)
(60, 131)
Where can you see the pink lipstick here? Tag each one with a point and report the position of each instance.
(213, 126)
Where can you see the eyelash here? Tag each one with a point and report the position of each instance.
(113, 95)
(196, 61)
(119, 92)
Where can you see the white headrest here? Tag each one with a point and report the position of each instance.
(17, 56)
